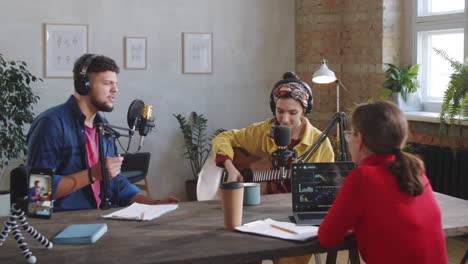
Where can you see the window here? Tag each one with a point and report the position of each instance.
(438, 24)
(438, 7)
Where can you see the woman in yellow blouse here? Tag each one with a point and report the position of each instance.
(290, 100)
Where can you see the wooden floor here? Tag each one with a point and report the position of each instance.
(456, 247)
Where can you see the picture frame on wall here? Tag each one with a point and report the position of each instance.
(63, 44)
(135, 53)
(197, 53)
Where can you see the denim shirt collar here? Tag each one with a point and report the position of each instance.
(75, 108)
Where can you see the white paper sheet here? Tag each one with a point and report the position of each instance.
(264, 227)
(142, 212)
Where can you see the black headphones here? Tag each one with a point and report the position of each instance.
(82, 82)
(310, 101)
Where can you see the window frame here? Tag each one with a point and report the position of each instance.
(423, 11)
(421, 23)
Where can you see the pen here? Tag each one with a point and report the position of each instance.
(142, 215)
(284, 229)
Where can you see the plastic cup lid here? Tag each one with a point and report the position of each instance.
(231, 185)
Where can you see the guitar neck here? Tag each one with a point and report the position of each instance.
(270, 175)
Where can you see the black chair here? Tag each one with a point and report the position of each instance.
(135, 168)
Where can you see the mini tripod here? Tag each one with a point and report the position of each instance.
(11, 225)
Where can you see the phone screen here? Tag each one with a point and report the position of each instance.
(40, 201)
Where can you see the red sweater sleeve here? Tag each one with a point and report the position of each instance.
(345, 211)
(220, 159)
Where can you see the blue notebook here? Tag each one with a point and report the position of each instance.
(81, 234)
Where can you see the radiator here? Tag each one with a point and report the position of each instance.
(447, 172)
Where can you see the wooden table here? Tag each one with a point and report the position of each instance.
(192, 234)
(454, 214)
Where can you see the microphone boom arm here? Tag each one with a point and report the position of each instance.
(109, 130)
(105, 203)
(340, 119)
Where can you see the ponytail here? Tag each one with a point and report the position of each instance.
(384, 131)
(408, 170)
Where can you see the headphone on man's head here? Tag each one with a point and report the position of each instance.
(82, 82)
(310, 101)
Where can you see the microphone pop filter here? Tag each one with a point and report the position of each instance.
(134, 111)
(282, 136)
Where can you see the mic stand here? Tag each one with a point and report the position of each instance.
(11, 225)
(281, 157)
(109, 130)
(340, 119)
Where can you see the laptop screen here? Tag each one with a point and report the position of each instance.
(315, 185)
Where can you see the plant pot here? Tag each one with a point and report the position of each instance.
(191, 189)
(413, 102)
(4, 204)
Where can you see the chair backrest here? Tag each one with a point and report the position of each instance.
(137, 162)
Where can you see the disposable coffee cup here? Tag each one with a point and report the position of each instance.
(251, 193)
(232, 197)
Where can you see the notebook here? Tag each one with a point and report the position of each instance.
(81, 234)
(314, 187)
(142, 212)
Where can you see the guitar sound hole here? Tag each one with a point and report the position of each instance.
(247, 174)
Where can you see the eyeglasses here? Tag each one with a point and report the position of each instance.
(349, 133)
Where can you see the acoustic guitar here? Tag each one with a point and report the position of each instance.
(259, 168)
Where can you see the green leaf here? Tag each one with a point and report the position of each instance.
(197, 143)
(16, 103)
(385, 93)
(402, 80)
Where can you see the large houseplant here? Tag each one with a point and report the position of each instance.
(455, 103)
(197, 145)
(400, 82)
(16, 111)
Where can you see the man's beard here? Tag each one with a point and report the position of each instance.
(101, 106)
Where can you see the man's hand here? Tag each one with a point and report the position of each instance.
(143, 199)
(167, 200)
(113, 166)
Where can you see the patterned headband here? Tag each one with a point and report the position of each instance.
(294, 90)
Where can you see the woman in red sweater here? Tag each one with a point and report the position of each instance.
(387, 201)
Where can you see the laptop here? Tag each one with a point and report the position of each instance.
(314, 187)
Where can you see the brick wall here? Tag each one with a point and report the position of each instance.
(348, 33)
(357, 37)
(428, 133)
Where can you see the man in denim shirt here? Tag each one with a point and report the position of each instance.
(64, 138)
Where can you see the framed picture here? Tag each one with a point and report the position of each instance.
(64, 43)
(135, 53)
(197, 52)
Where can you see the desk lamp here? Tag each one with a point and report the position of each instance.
(321, 76)
(325, 75)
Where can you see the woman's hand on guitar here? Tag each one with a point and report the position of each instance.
(233, 174)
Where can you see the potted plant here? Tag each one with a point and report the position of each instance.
(197, 146)
(400, 83)
(16, 110)
(455, 102)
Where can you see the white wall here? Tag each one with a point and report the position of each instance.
(253, 44)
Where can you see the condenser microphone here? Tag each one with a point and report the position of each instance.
(282, 136)
(134, 114)
(140, 117)
(146, 122)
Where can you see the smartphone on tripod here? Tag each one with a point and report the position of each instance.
(40, 203)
